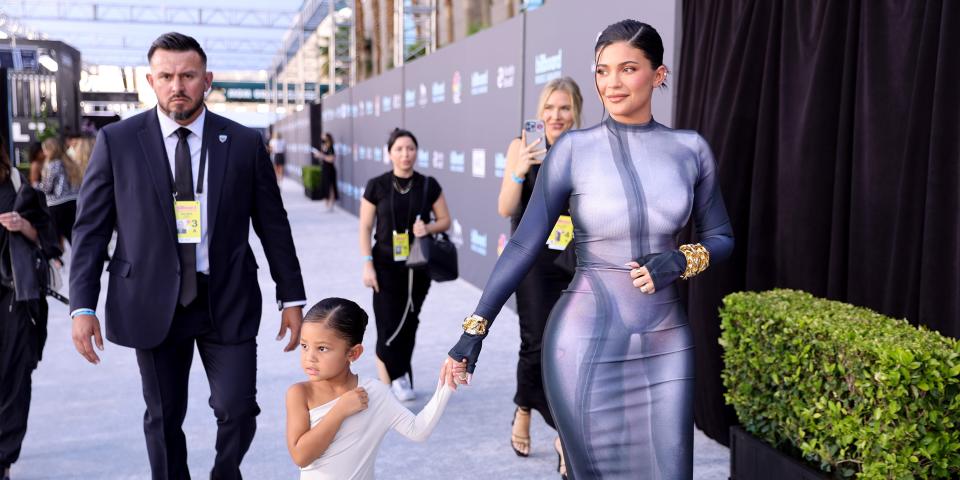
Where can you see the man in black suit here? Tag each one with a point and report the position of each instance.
(181, 186)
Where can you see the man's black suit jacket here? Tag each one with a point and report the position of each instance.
(128, 186)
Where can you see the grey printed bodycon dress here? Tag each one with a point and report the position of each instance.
(618, 363)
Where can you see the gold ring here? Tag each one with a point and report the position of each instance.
(463, 376)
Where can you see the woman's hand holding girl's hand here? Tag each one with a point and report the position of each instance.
(352, 402)
(453, 373)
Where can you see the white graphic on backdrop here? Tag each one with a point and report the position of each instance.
(423, 95)
(410, 98)
(458, 161)
(457, 236)
(438, 160)
(478, 242)
(423, 158)
(479, 157)
(396, 101)
(547, 68)
(499, 164)
(438, 92)
(478, 82)
(505, 76)
(455, 88)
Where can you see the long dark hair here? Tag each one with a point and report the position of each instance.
(635, 33)
(343, 316)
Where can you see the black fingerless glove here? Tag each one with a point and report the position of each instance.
(665, 268)
(468, 347)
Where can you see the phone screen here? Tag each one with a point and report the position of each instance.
(535, 130)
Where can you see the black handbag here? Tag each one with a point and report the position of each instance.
(434, 252)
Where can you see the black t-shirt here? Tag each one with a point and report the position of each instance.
(395, 208)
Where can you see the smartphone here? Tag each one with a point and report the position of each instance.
(535, 130)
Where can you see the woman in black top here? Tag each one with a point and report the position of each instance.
(328, 180)
(559, 108)
(399, 203)
(27, 239)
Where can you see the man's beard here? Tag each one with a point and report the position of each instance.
(185, 114)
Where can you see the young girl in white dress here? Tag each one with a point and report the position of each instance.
(336, 420)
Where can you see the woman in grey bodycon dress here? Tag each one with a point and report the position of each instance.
(618, 351)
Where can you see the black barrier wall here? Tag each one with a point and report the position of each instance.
(465, 103)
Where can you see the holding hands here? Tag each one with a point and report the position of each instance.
(454, 373)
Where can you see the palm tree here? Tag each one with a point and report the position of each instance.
(376, 37)
(391, 41)
(360, 40)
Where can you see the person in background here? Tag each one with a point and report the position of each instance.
(399, 203)
(278, 150)
(328, 180)
(60, 181)
(27, 239)
(82, 149)
(559, 108)
(36, 158)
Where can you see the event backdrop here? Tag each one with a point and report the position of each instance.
(465, 103)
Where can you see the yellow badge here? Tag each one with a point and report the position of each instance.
(401, 246)
(188, 221)
(562, 233)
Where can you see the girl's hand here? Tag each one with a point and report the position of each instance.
(529, 155)
(453, 373)
(641, 278)
(352, 402)
(370, 277)
(420, 229)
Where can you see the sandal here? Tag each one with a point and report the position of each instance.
(520, 443)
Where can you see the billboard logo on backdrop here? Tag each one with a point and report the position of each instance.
(478, 242)
(423, 95)
(410, 98)
(369, 107)
(457, 236)
(438, 91)
(499, 164)
(458, 161)
(478, 82)
(479, 157)
(423, 158)
(455, 87)
(438, 160)
(378, 155)
(376, 106)
(505, 76)
(396, 101)
(501, 243)
(547, 68)
(354, 151)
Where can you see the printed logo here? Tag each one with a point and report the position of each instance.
(385, 105)
(410, 98)
(376, 106)
(438, 160)
(423, 95)
(505, 76)
(501, 243)
(438, 91)
(547, 68)
(457, 236)
(499, 164)
(478, 242)
(455, 87)
(457, 161)
(479, 157)
(396, 101)
(423, 158)
(478, 82)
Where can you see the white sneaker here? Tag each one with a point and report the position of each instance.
(401, 389)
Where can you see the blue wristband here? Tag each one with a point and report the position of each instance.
(83, 311)
(368, 258)
(515, 178)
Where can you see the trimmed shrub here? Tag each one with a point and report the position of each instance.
(311, 176)
(860, 394)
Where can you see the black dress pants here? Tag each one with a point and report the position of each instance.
(18, 358)
(232, 373)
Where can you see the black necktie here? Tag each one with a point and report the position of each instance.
(188, 251)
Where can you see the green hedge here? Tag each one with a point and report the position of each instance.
(859, 393)
(311, 176)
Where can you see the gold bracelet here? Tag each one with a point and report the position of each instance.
(475, 325)
(698, 259)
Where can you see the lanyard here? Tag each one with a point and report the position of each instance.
(393, 213)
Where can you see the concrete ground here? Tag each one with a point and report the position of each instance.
(86, 420)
